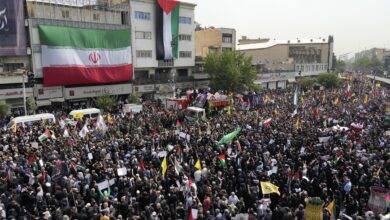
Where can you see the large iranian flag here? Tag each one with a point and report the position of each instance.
(167, 29)
(75, 56)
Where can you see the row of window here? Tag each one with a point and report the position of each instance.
(148, 35)
(140, 15)
(148, 54)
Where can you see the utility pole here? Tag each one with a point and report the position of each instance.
(24, 92)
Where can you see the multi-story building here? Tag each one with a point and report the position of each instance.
(211, 40)
(158, 76)
(149, 75)
(14, 54)
(288, 58)
(372, 54)
(214, 40)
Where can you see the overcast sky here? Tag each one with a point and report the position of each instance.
(355, 24)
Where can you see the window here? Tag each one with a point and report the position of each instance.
(143, 35)
(142, 15)
(185, 54)
(9, 67)
(184, 37)
(65, 13)
(96, 17)
(184, 20)
(144, 53)
(227, 38)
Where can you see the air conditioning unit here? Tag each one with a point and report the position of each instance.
(28, 50)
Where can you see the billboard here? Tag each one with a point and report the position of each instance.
(12, 30)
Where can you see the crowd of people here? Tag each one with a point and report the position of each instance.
(328, 143)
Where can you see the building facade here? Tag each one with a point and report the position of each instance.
(149, 75)
(211, 40)
(372, 54)
(301, 57)
(214, 40)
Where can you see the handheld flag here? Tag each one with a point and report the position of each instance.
(365, 99)
(229, 137)
(197, 165)
(164, 166)
(268, 188)
(178, 167)
(221, 158)
(331, 208)
(296, 97)
(267, 122)
(84, 131)
(14, 128)
(101, 125)
(66, 133)
(298, 124)
(336, 101)
(46, 135)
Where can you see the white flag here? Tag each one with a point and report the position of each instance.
(100, 124)
(296, 97)
(84, 131)
(66, 133)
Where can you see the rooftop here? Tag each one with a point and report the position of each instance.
(274, 42)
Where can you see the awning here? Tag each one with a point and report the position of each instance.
(43, 102)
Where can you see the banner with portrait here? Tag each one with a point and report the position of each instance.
(12, 29)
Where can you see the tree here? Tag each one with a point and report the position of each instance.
(340, 66)
(31, 104)
(5, 109)
(329, 80)
(230, 70)
(134, 98)
(306, 82)
(106, 101)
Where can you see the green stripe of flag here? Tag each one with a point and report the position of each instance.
(175, 30)
(83, 38)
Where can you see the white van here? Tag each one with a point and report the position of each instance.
(23, 120)
(87, 113)
(194, 113)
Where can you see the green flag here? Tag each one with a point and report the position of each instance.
(229, 137)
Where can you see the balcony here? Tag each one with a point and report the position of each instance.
(165, 63)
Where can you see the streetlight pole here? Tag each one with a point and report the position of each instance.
(24, 93)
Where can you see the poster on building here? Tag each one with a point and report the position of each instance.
(377, 201)
(12, 30)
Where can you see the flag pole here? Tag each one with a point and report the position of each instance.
(133, 41)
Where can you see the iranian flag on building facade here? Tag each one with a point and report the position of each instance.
(75, 56)
(167, 29)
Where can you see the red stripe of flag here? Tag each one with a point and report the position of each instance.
(57, 76)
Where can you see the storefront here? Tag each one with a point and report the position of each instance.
(79, 93)
(14, 97)
(48, 95)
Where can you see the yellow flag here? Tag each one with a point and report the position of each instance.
(366, 99)
(78, 115)
(14, 128)
(336, 101)
(378, 85)
(268, 188)
(164, 166)
(197, 165)
(330, 207)
(323, 98)
(298, 124)
(110, 119)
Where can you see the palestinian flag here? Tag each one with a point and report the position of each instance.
(167, 29)
(45, 136)
(221, 159)
(74, 56)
